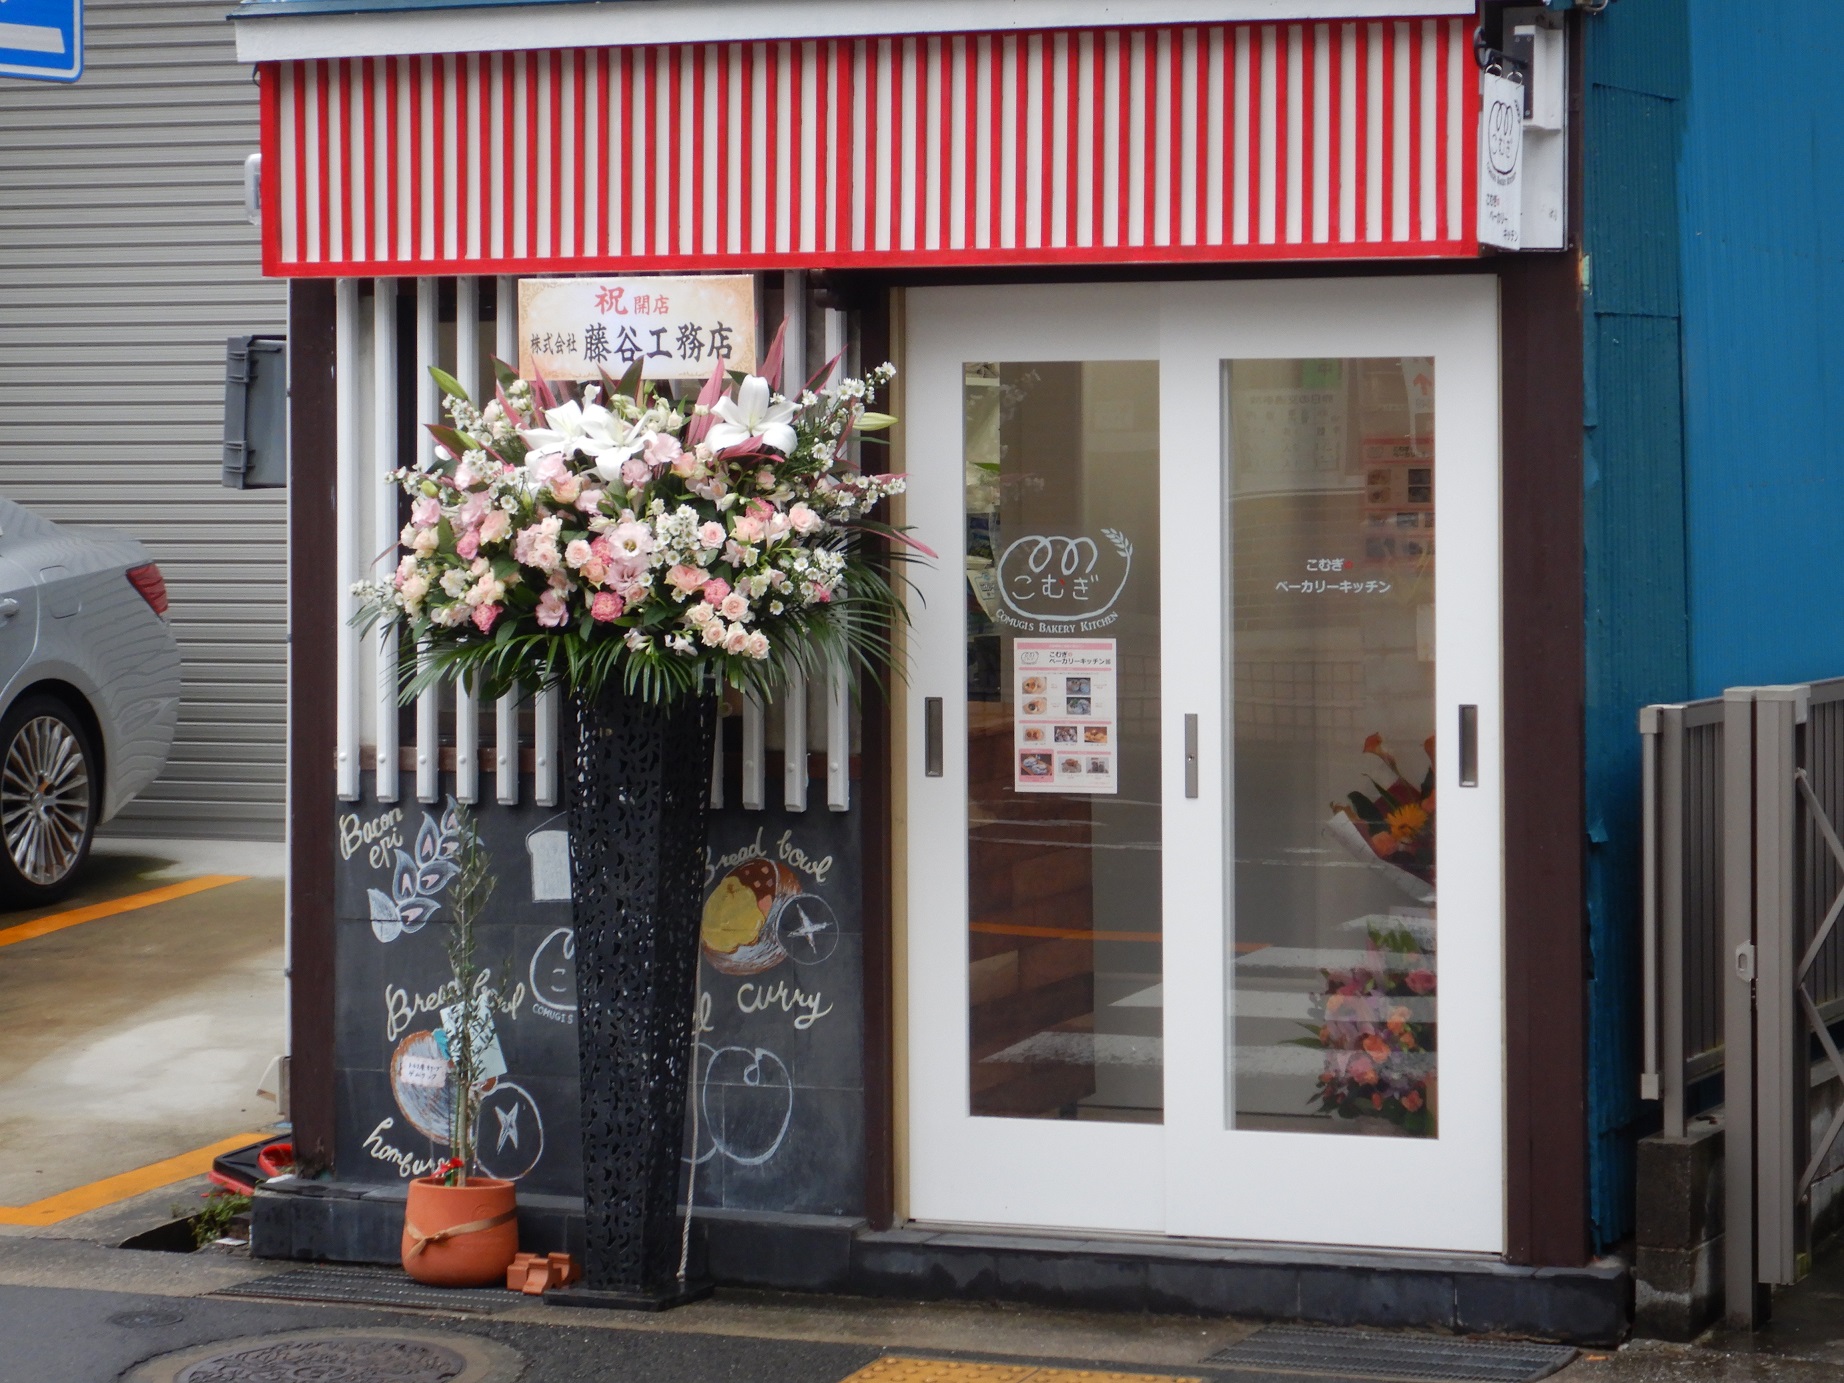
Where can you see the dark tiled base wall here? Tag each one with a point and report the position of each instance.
(1593, 1305)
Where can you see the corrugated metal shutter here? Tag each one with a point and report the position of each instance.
(125, 261)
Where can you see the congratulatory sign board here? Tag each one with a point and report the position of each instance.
(679, 327)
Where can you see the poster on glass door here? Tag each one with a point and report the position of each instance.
(1065, 723)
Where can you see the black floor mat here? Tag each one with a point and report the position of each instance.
(1322, 1351)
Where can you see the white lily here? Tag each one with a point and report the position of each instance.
(590, 429)
(753, 414)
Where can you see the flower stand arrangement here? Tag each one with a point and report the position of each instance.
(1375, 1025)
(642, 552)
(459, 1229)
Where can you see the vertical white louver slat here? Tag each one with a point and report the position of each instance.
(544, 731)
(506, 709)
(794, 695)
(838, 678)
(345, 538)
(755, 791)
(385, 536)
(428, 703)
(467, 704)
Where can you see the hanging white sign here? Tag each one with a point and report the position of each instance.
(1501, 161)
(680, 327)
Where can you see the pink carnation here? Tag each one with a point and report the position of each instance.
(469, 546)
(552, 611)
(484, 615)
(716, 589)
(608, 606)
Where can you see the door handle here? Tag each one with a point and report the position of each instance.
(931, 736)
(8, 608)
(1469, 746)
(1190, 756)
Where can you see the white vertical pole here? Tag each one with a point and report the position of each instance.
(428, 401)
(345, 532)
(384, 539)
(506, 710)
(838, 736)
(506, 755)
(794, 341)
(545, 733)
(467, 704)
(755, 792)
(836, 338)
(794, 741)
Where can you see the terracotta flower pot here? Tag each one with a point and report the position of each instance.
(460, 1236)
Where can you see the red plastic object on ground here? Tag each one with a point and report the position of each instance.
(241, 1169)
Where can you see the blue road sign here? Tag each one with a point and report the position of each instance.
(41, 39)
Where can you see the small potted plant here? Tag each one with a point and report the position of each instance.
(461, 1230)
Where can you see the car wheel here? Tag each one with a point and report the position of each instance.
(50, 795)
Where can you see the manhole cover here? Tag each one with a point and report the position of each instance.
(146, 1320)
(337, 1356)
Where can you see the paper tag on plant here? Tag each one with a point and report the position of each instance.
(489, 1061)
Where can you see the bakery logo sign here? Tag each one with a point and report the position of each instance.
(1055, 583)
(1501, 157)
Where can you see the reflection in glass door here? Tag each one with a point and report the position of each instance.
(1331, 466)
(1063, 815)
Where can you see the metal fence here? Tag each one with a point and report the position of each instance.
(1744, 970)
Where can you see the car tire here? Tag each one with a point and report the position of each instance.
(50, 799)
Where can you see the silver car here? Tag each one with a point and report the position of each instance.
(89, 693)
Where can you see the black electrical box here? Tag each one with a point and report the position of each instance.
(255, 413)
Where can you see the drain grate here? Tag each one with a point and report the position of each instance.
(1373, 1354)
(372, 1287)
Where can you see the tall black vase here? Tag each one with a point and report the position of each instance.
(640, 796)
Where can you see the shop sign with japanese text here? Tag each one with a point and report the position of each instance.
(679, 327)
(1501, 161)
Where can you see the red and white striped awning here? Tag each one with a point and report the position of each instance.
(1123, 145)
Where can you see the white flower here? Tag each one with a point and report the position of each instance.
(586, 428)
(751, 414)
(713, 631)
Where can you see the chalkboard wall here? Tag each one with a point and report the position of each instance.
(778, 1120)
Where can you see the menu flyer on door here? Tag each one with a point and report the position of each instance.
(1064, 720)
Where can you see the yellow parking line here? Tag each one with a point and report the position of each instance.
(120, 1187)
(58, 921)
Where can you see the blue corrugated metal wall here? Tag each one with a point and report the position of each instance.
(1635, 57)
(1762, 184)
(1714, 226)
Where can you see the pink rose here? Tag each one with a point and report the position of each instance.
(804, 519)
(577, 552)
(469, 546)
(686, 465)
(472, 512)
(567, 489)
(426, 512)
(734, 606)
(484, 615)
(608, 606)
(715, 589)
(711, 535)
(595, 571)
(552, 611)
(685, 577)
(736, 639)
(748, 529)
(757, 646)
(1421, 981)
(495, 526)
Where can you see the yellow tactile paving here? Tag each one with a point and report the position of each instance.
(892, 1369)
